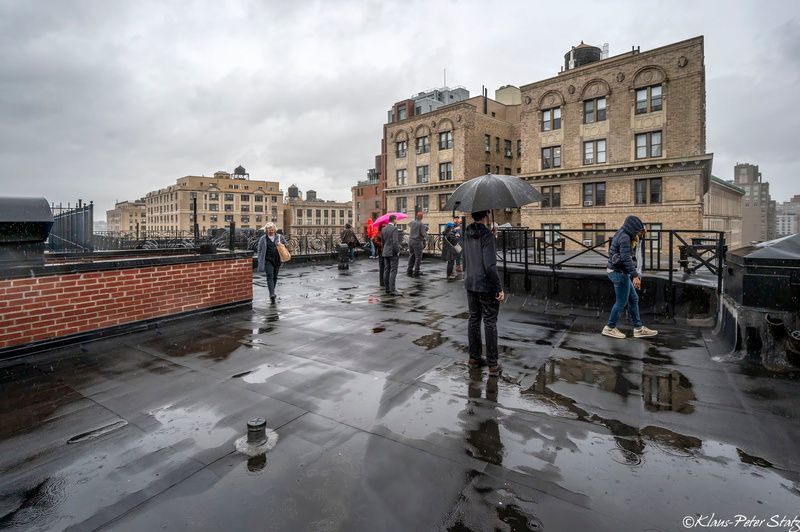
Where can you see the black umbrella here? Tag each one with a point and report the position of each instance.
(492, 191)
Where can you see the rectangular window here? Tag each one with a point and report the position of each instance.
(445, 140)
(497, 144)
(274, 199)
(259, 218)
(228, 217)
(594, 152)
(401, 113)
(487, 143)
(443, 200)
(423, 145)
(507, 171)
(648, 145)
(213, 218)
(519, 148)
(245, 208)
(647, 191)
(551, 119)
(258, 198)
(228, 197)
(551, 157)
(246, 219)
(445, 171)
(214, 207)
(228, 207)
(421, 203)
(401, 177)
(488, 168)
(594, 194)
(299, 213)
(552, 232)
(245, 197)
(648, 99)
(508, 152)
(402, 204)
(213, 196)
(552, 196)
(594, 110)
(422, 174)
(653, 237)
(594, 234)
(401, 148)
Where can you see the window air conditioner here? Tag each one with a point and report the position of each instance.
(424, 209)
(588, 203)
(587, 243)
(487, 149)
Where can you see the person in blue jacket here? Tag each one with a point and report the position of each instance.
(623, 272)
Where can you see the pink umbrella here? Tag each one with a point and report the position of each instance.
(385, 218)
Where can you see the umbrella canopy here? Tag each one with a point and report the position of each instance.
(492, 191)
(385, 218)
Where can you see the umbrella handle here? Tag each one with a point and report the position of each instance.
(455, 206)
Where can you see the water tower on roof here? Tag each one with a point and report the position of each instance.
(311, 195)
(580, 55)
(240, 173)
(294, 193)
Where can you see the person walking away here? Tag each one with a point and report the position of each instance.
(623, 272)
(369, 234)
(449, 250)
(268, 259)
(348, 236)
(417, 234)
(390, 239)
(378, 245)
(484, 291)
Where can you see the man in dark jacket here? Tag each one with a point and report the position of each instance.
(623, 272)
(417, 235)
(390, 238)
(484, 291)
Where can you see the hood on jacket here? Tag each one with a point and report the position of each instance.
(632, 225)
(475, 230)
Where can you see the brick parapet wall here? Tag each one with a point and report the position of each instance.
(52, 306)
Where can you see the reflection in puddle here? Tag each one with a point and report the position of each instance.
(429, 341)
(35, 505)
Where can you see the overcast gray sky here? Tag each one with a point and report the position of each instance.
(107, 100)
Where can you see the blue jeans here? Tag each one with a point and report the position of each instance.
(626, 295)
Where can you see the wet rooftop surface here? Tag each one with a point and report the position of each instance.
(383, 427)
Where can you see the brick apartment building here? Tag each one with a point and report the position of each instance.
(127, 218)
(429, 155)
(623, 135)
(368, 197)
(722, 210)
(221, 199)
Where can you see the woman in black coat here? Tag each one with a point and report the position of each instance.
(268, 259)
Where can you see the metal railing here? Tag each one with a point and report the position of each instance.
(72, 227)
(667, 250)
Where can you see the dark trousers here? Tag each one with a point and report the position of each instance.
(482, 307)
(414, 255)
(381, 268)
(450, 265)
(271, 270)
(390, 265)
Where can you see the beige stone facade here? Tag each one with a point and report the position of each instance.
(221, 199)
(723, 211)
(316, 217)
(629, 132)
(456, 150)
(127, 218)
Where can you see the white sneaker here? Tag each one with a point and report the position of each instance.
(613, 332)
(643, 332)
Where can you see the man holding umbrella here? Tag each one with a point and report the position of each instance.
(484, 289)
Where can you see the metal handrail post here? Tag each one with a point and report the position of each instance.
(670, 285)
(527, 277)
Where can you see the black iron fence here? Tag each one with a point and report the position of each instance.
(72, 228)
(666, 250)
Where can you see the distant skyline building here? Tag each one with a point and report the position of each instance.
(758, 209)
(221, 199)
(314, 216)
(787, 217)
(127, 217)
